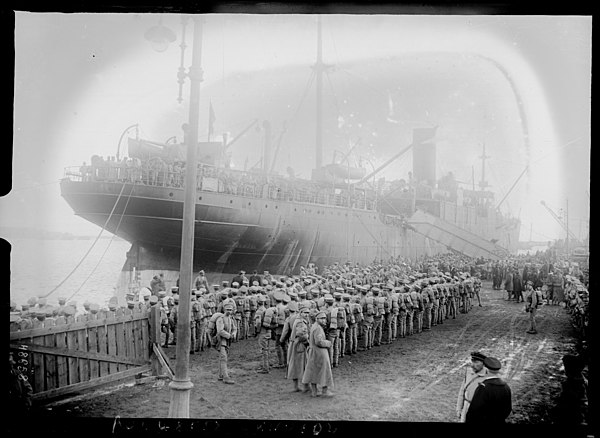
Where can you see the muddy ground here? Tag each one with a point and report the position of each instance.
(414, 379)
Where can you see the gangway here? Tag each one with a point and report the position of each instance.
(454, 237)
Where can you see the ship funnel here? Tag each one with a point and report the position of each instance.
(424, 155)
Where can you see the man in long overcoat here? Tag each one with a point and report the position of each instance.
(318, 365)
(297, 351)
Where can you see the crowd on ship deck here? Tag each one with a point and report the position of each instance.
(156, 171)
(159, 172)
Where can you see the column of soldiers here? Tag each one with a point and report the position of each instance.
(578, 304)
(366, 306)
(362, 310)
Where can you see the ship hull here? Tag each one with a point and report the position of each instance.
(234, 232)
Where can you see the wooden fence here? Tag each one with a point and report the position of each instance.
(62, 355)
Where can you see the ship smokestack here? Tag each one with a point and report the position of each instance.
(424, 155)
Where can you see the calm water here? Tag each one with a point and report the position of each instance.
(38, 266)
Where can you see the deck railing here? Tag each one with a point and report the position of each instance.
(234, 182)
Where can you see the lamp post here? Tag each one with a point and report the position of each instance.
(179, 406)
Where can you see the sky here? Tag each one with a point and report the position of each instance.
(81, 79)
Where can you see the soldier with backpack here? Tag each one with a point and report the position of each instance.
(368, 311)
(351, 335)
(379, 306)
(534, 300)
(226, 331)
(265, 322)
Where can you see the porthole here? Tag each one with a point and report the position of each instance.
(199, 198)
(231, 201)
(171, 194)
(266, 205)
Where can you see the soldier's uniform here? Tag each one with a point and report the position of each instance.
(387, 321)
(280, 347)
(426, 308)
(263, 329)
(410, 312)
(193, 302)
(253, 305)
(342, 321)
(245, 312)
(357, 313)
(292, 314)
(331, 330)
(379, 306)
(435, 304)
(199, 315)
(348, 343)
(463, 297)
(173, 316)
(368, 311)
(415, 295)
(469, 289)
(442, 308)
(431, 297)
(454, 297)
(395, 298)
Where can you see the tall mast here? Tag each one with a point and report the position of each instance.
(483, 183)
(319, 68)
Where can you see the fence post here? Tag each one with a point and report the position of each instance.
(154, 337)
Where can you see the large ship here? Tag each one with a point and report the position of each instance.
(260, 220)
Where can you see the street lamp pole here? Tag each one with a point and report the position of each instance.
(181, 385)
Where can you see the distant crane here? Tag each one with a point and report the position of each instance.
(559, 220)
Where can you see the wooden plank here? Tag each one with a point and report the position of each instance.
(82, 345)
(154, 319)
(165, 366)
(80, 323)
(50, 359)
(164, 356)
(39, 365)
(102, 347)
(129, 339)
(78, 387)
(121, 341)
(92, 335)
(61, 361)
(72, 362)
(65, 352)
(112, 344)
(137, 338)
(146, 338)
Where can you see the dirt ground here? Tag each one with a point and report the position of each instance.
(415, 379)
